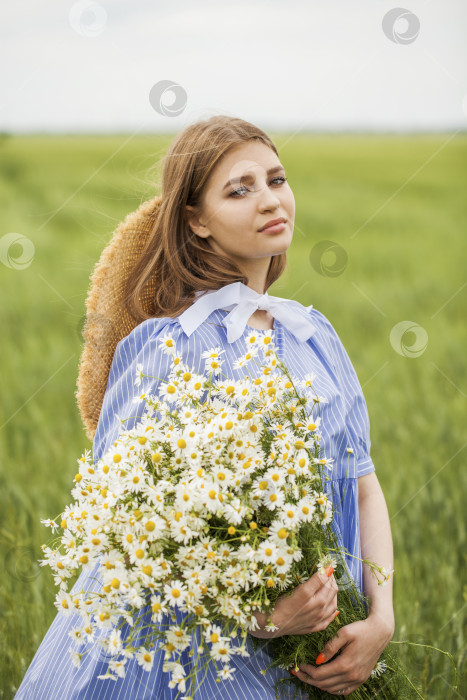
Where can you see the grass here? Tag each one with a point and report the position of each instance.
(395, 207)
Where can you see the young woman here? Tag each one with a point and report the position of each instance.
(195, 264)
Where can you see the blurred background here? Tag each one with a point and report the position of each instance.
(367, 105)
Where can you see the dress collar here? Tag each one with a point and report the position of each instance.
(242, 302)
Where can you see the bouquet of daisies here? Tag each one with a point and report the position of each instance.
(207, 511)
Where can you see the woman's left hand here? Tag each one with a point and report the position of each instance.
(362, 643)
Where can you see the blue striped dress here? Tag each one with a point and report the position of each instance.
(345, 424)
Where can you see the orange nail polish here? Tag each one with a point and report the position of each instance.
(320, 658)
(293, 672)
(336, 613)
(329, 571)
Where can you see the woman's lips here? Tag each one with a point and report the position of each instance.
(277, 228)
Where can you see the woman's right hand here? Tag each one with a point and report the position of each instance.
(310, 608)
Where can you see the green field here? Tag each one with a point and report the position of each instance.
(397, 207)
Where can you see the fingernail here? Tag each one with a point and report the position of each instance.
(329, 571)
(320, 658)
(292, 672)
(336, 613)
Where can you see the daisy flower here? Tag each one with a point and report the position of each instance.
(139, 374)
(226, 674)
(76, 635)
(267, 552)
(278, 533)
(145, 658)
(244, 359)
(50, 523)
(290, 515)
(211, 498)
(324, 461)
(136, 399)
(276, 476)
(118, 667)
(386, 573)
(170, 391)
(180, 531)
(175, 593)
(274, 500)
(223, 475)
(135, 479)
(167, 344)
(283, 581)
(379, 669)
(64, 603)
(313, 424)
(213, 634)
(263, 486)
(308, 379)
(283, 562)
(306, 508)
(137, 551)
(178, 637)
(325, 562)
(175, 668)
(159, 609)
(234, 511)
(221, 651)
(253, 340)
(135, 599)
(107, 677)
(75, 658)
(271, 627)
(213, 362)
(178, 682)
(114, 642)
(321, 500)
(245, 553)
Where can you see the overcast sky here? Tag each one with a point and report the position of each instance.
(301, 64)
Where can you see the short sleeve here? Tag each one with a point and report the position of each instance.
(141, 346)
(357, 419)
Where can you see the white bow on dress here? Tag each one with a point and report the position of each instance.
(242, 302)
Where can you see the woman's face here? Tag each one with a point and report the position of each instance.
(240, 197)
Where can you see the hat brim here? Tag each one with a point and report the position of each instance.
(107, 319)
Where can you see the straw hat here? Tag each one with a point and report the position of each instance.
(107, 320)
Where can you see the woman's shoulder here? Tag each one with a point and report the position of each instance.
(321, 321)
(148, 331)
(327, 335)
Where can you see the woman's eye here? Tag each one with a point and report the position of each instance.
(235, 192)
